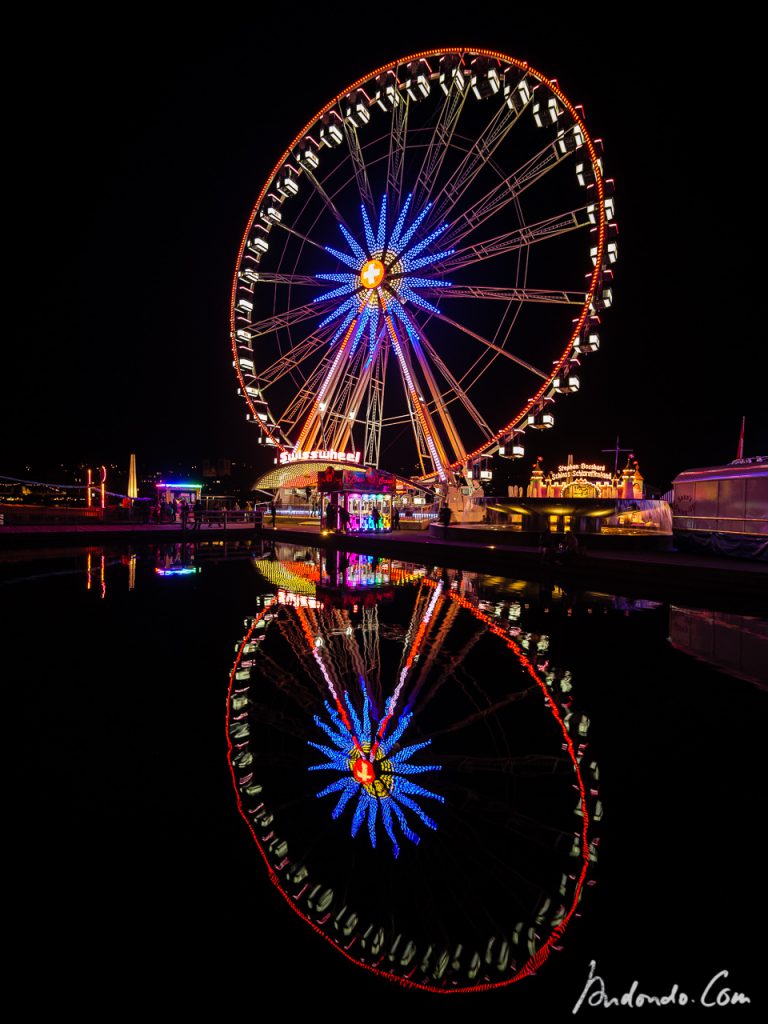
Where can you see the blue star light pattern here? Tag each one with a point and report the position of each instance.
(370, 772)
(400, 254)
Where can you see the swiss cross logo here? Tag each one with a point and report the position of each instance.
(363, 771)
(372, 273)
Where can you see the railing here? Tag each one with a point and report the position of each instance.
(33, 515)
(20, 514)
(225, 517)
(295, 510)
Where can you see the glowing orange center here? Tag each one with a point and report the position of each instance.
(363, 771)
(372, 273)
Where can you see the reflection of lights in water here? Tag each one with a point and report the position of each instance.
(90, 572)
(506, 806)
(176, 560)
(731, 643)
(298, 600)
(378, 777)
(292, 577)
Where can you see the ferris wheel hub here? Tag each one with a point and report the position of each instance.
(372, 274)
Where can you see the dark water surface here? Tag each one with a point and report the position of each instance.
(514, 720)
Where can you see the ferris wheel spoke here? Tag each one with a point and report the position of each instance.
(421, 415)
(455, 387)
(358, 163)
(492, 345)
(299, 406)
(347, 408)
(329, 203)
(439, 407)
(419, 438)
(290, 361)
(298, 279)
(503, 193)
(486, 357)
(520, 238)
(439, 144)
(418, 434)
(473, 163)
(396, 158)
(287, 319)
(374, 410)
(297, 234)
(499, 293)
(324, 397)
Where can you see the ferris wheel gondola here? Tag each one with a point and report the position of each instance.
(425, 267)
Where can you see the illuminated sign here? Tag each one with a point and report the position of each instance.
(366, 481)
(372, 273)
(581, 471)
(319, 456)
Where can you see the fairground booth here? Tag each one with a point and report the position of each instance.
(180, 491)
(358, 500)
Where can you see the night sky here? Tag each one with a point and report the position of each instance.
(137, 159)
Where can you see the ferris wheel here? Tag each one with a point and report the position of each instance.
(425, 268)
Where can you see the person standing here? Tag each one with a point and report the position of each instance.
(273, 513)
(445, 518)
(376, 517)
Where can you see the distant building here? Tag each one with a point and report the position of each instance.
(217, 467)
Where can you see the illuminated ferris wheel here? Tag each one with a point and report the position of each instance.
(425, 268)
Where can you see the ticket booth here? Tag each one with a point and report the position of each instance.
(356, 500)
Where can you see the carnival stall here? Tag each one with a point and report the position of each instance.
(356, 500)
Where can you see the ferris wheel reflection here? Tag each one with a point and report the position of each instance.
(389, 721)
